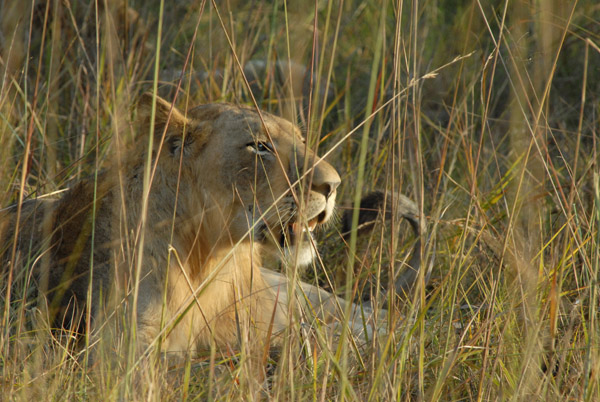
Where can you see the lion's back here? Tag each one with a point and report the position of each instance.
(49, 247)
(36, 217)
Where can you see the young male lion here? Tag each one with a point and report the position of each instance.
(181, 243)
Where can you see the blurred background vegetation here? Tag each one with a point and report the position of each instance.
(485, 113)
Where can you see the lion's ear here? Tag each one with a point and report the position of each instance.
(163, 109)
(177, 136)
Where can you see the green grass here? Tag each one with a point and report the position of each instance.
(486, 114)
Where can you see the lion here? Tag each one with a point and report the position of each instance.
(176, 232)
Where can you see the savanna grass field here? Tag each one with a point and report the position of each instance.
(485, 113)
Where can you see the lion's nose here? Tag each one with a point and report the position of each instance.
(323, 179)
(327, 188)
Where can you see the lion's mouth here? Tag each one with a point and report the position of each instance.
(289, 236)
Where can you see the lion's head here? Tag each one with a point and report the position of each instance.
(244, 175)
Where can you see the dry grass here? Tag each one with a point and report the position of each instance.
(485, 114)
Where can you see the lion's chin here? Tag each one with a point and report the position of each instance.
(300, 255)
(292, 245)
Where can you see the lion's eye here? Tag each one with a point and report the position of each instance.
(260, 148)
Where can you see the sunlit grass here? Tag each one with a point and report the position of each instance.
(485, 114)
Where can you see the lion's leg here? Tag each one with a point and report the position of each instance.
(322, 305)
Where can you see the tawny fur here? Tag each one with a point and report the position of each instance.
(220, 198)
